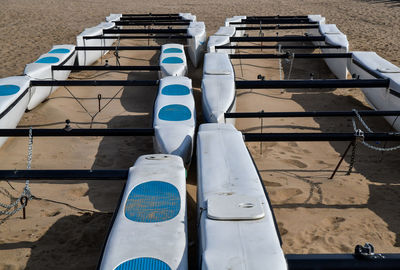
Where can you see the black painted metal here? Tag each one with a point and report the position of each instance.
(144, 31)
(140, 37)
(284, 47)
(154, 18)
(277, 17)
(119, 48)
(341, 262)
(128, 23)
(95, 83)
(64, 174)
(278, 39)
(278, 27)
(120, 68)
(317, 137)
(308, 114)
(150, 14)
(81, 132)
(288, 55)
(279, 84)
(275, 21)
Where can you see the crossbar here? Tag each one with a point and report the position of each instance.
(288, 55)
(121, 68)
(284, 47)
(64, 174)
(275, 21)
(119, 48)
(332, 83)
(278, 27)
(309, 114)
(96, 83)
(318, 137)
(278, 39)
(149, 14)
(278, 17)
(128, 23)
(144, 31)
(342, 262)
(140, 37)
(154, 19)
(81, 132)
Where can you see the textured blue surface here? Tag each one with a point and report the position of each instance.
(143, 264)
(59, 51)
(153, 201)
(172, 60)
(48, 60)
(174, 112)
(172, 50)
(8, 89)
(175, 90)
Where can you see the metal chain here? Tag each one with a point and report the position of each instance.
(26, 191)
(383, 149)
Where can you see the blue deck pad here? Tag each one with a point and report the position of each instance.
(153, 201)
(172, 50)
(143, 264)
(172, 60)
(175, 90)
(9, 89)
(48, 60)
(61, 50)
(175, 112)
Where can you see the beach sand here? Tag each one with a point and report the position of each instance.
(67, 221)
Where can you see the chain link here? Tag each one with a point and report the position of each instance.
(26, 191)
(383, 149)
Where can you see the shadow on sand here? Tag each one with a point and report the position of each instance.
(81, 238)
(384, 190)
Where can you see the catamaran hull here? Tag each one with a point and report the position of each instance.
(379, 98)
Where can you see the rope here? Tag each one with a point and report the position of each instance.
(291, 65)
(101, 108)
(26, 194)
(383, 149)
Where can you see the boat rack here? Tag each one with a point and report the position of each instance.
(154, 23)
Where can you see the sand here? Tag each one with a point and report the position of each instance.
(67, 221)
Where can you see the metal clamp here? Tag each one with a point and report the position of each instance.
(366, 252)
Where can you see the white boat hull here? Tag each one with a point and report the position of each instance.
(218, 88)
(86, 58)
(172, 60)
(13, 103)
(41, 70)
(150, 227)
(197, 43)
(236, 224)
(364, 65)
(174, 119)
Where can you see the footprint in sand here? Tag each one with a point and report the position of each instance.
(295, 163)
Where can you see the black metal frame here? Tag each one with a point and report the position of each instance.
(331, 83)
(278, 39)
(140, 37)
(288, 55)
(118, 68)
(97, 83)
(309, 114)
(282, 47)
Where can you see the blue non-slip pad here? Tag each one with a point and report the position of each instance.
(153, 201)
(8, 89)
(143, 264)
(175, 90)
(172, 50)
(175, 112)
(61, 50)
(172, 60)
(48, 60)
